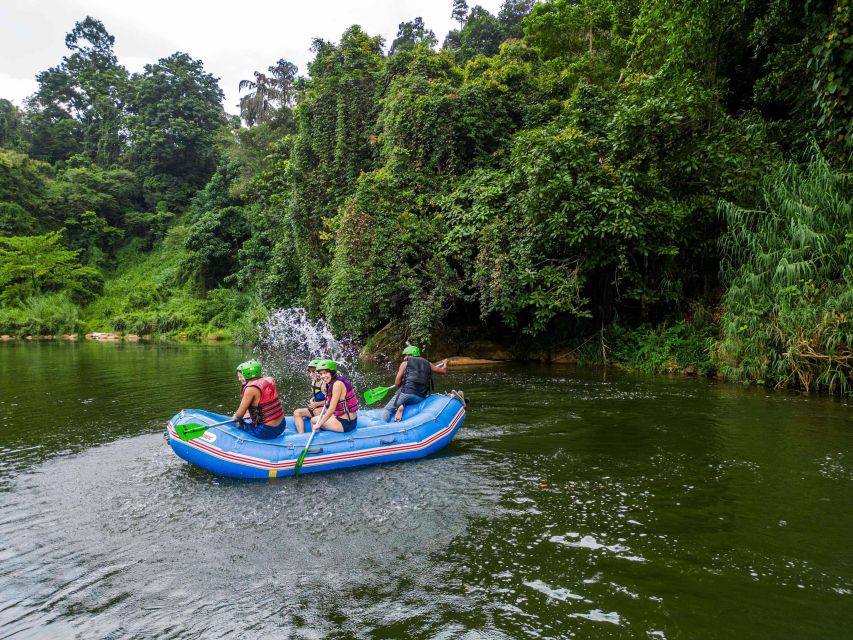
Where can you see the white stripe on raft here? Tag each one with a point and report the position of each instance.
(318, 460)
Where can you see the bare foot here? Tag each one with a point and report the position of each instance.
(399, 415)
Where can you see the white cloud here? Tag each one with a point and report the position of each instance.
(16, 89)
(233, 39)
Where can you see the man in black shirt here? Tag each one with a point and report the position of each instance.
(414, 382)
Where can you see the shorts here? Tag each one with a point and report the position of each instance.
(348, 425)
(262, 431)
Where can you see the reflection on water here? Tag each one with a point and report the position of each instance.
(567, 506)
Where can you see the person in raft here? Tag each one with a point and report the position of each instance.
(340, 411)
(414, 382)
(316, 402)
(260, 399)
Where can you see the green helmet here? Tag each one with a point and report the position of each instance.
(250, 369)
(314, 363)
(330, 365)
(412, 350)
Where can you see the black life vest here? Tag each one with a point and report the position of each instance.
(417, 379)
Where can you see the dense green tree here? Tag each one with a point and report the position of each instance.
(385, 263)
(25, 182)
(30, 265)
(482, 34)
(832, 64)
(11, 127)
(78, 107)
(434, 124)
(334, 145)
(511, 15)
(412, 33)
(214, 241)
(219, 227)
(15, 220)
(175, 117)
(81, 187)
(590, 36)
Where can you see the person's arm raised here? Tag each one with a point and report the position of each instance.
(441, 367)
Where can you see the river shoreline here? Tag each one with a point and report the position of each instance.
(97, 336)
(476, 358)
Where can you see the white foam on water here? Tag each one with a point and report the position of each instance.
(620, 589)
(589, 542)
(597, 615)
(586, 542)
(558, 593)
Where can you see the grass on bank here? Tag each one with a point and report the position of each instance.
(148, 294)
(46, 315)
(152, 294)
(681, 347)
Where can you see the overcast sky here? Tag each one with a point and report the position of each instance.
(233, 38)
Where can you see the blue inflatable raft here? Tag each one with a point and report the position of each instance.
(227, 451)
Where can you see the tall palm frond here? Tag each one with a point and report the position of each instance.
(268, 92)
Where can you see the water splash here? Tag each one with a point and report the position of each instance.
(289, 339)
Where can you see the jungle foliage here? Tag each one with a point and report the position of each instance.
(548, 172)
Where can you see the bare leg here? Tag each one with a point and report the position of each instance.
(332, 424)
(299, 418)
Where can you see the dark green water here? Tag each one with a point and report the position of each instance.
(569, 505)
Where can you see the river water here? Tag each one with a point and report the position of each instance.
(572, 504)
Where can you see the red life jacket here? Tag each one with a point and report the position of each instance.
(268, 408)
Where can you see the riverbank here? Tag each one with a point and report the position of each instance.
(99, 336)
(680, 349)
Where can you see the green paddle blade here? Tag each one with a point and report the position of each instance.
(373, 395)
(299, 462)
(302, 455)
(189, 431)
(194, 430)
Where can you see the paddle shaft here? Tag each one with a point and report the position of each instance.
(302, 455)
